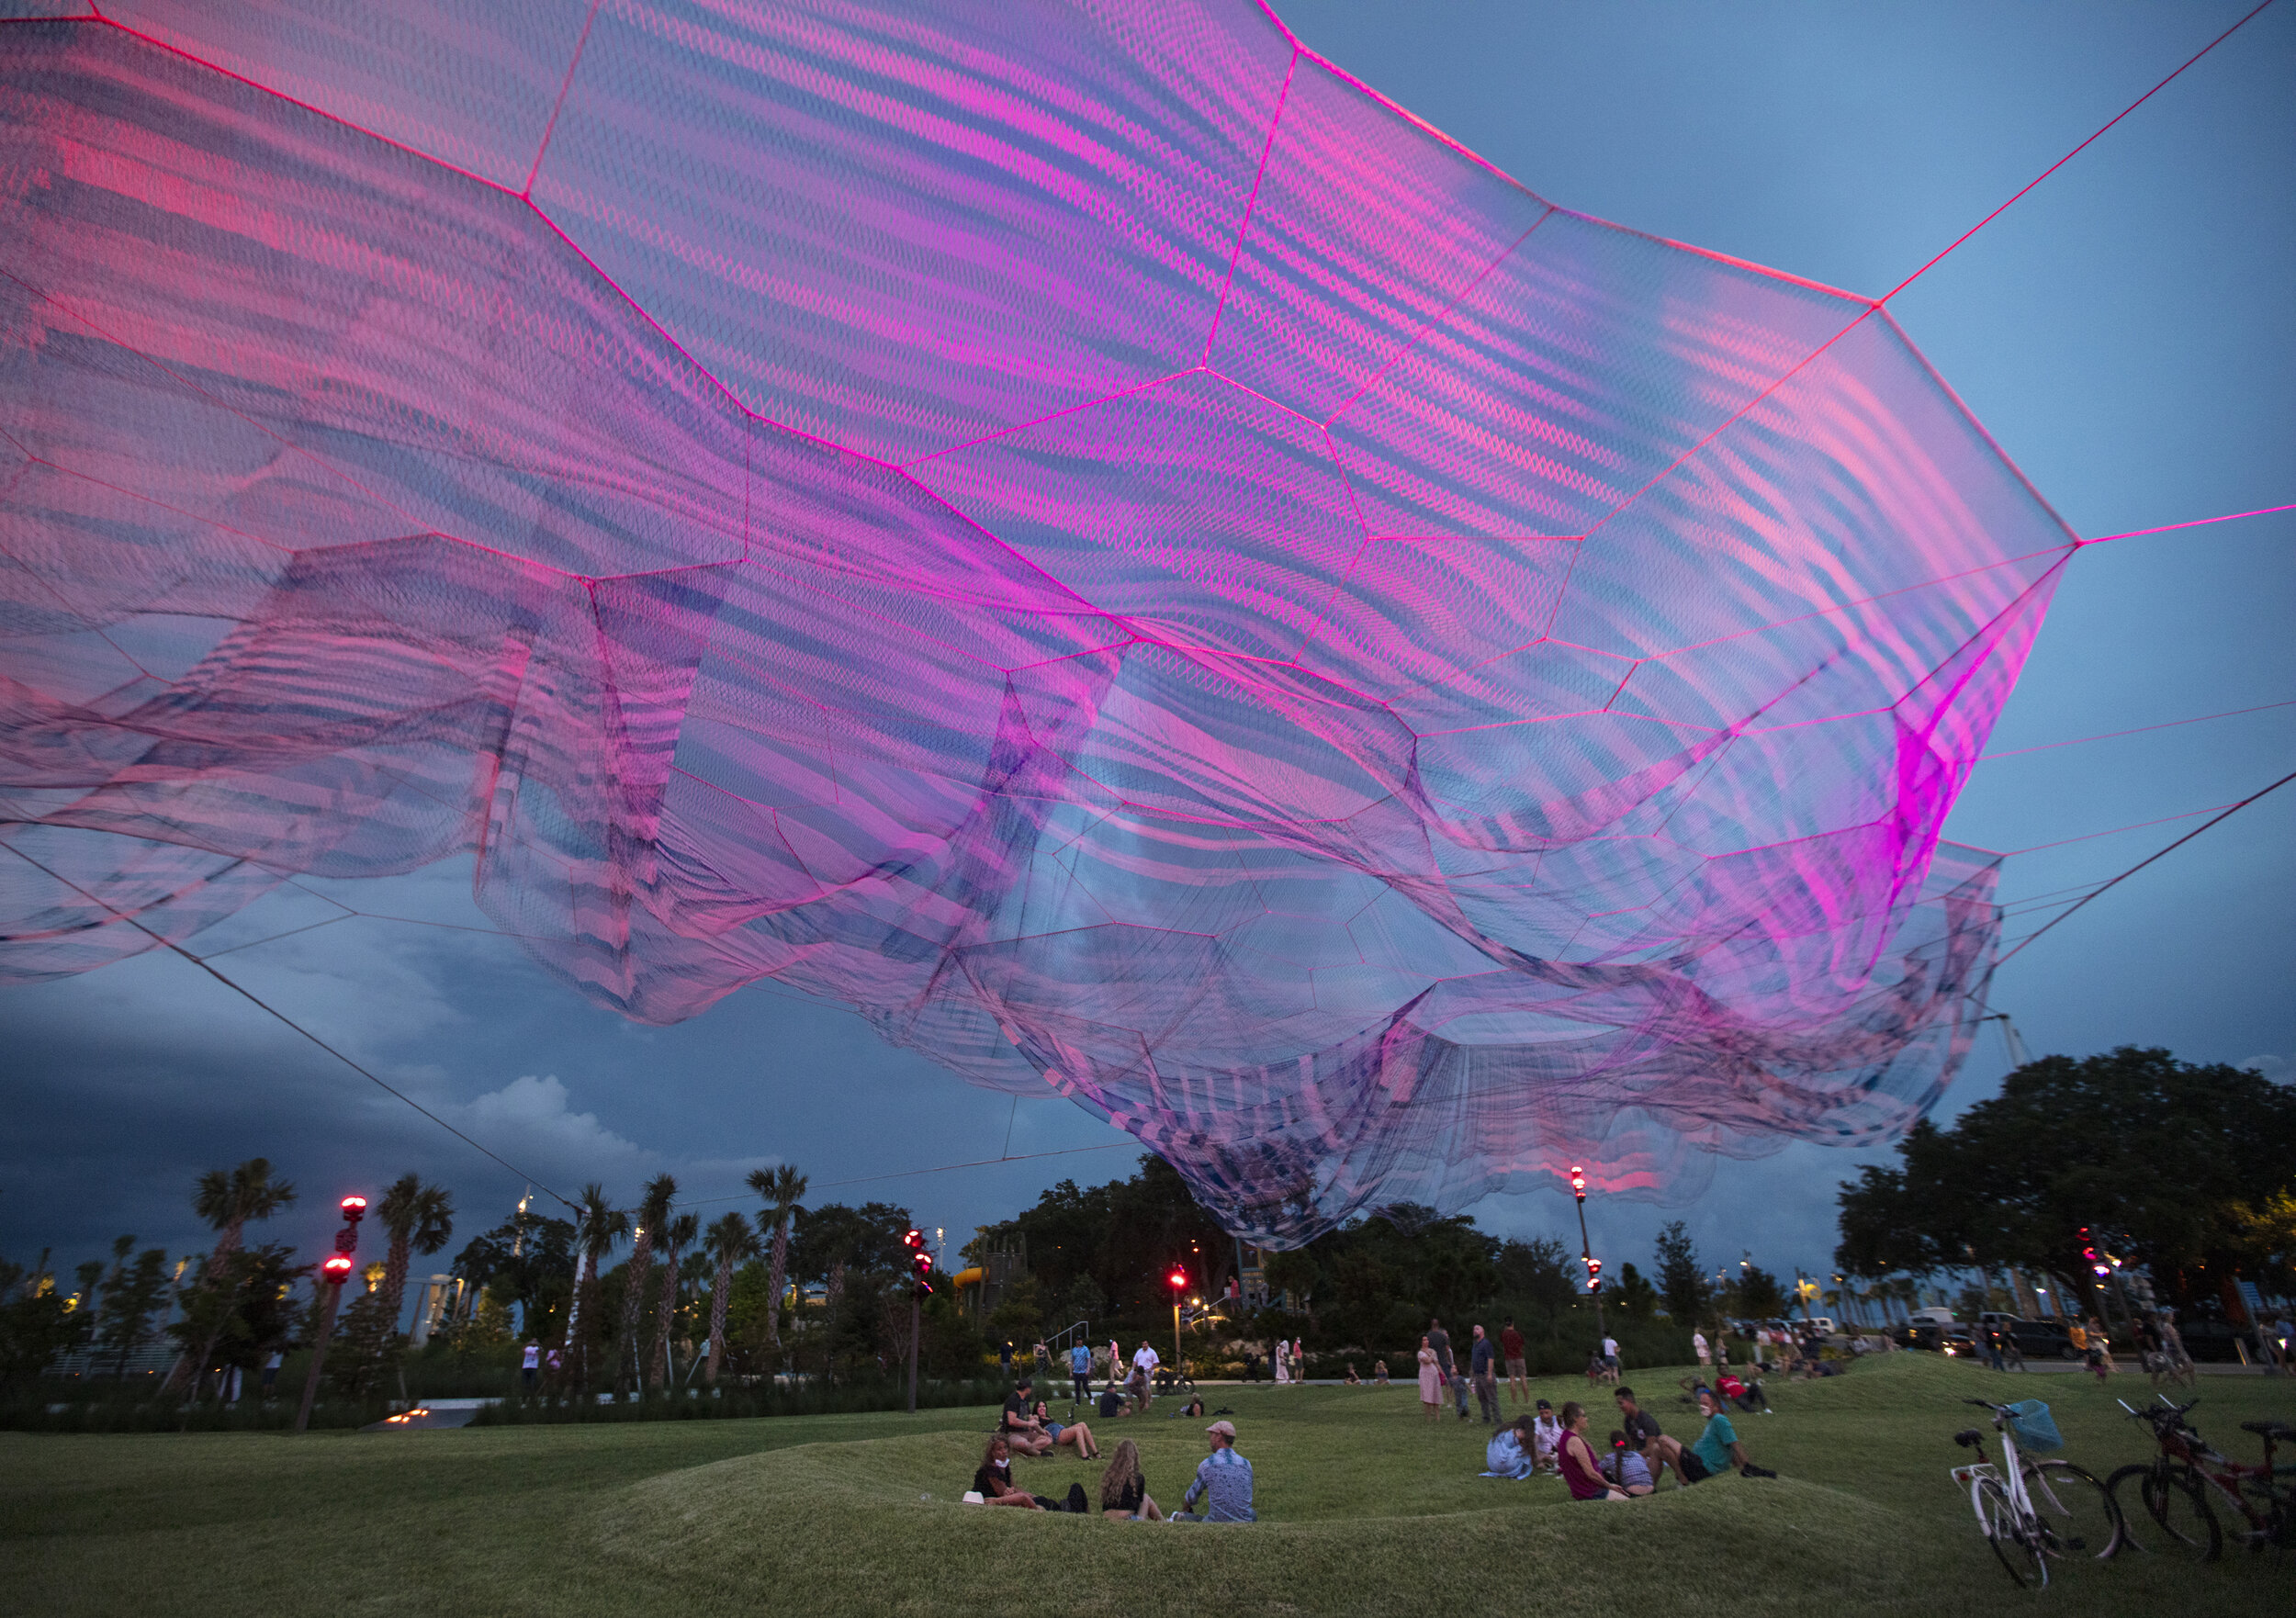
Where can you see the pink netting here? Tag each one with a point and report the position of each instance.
(1086, 536)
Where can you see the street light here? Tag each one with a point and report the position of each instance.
(332, 1274)
(1586, 1250)
(1177, 1281)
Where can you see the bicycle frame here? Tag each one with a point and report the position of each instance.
(2181, 1444)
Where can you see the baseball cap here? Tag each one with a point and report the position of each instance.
(1225, 1429)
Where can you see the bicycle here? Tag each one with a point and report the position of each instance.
(2032, 1512)
(2181, 1487)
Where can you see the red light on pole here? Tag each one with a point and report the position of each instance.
(1577, 1182)
(334, 1271)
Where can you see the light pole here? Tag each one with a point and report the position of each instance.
(921, 1273)
(332, 1274)
(1586, 1250)
(1177, 1281)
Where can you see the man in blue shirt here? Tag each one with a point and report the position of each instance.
(1224, 1478)
(1080, 1371)
(1483, 1369)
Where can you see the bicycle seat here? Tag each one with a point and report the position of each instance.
(2269, 1428)
(1969, 1438)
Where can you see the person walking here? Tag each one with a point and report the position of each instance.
(1440, 1341)
(1482, 1366)
(1701, 1348)
(1430, 1380)
(1299, 1362)
(1144, 1363)
(1610, 1358)
(1080, 1373)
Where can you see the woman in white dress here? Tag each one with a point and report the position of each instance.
(1283, 1362)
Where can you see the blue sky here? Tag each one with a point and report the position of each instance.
(2125, 331)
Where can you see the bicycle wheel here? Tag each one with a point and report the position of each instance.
(2177, 1503)
(2078, 1519)
(2019, 1555)
(2129, 1505)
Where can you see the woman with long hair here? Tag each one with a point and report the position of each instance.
(993, 1481)
(1430, 1381)
(1124, 1490)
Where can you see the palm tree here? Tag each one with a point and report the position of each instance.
(598, 1225)
(677, 1235)
(784, 1188)
(730, 1243)
(226, 1199)
(420, 1219)
(653, 1208)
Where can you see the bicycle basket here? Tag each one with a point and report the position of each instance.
(2035, 1429)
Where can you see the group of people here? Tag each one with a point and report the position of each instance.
(1639, 1452)
(1439, 1370)
(1222, 1481)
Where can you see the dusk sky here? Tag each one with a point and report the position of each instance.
(2125, 331)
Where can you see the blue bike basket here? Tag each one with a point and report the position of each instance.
(2030, 1419)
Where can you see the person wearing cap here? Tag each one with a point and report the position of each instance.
(1545, 1436)
(1224, 1479)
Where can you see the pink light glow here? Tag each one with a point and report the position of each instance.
(1138, 566)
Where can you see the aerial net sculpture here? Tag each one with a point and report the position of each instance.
(1079, 532)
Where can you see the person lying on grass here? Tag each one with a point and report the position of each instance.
(1581, 1475)
(1718, 1448)
(1746, 1396)
(1224, 1479)
(994, 1481)
(1124, 1489)
(1074, 1435)
(1625, 1468)
(1018, 1423)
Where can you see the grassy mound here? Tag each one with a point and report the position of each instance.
(1366, 1510)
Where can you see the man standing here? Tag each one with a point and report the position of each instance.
(1224, 1479)
(1511, 1350)
(1610, 1356)
(1144, 1363)
(530, 1364)
(1700, 1347)
(1483, 1366)
(1080, 1371)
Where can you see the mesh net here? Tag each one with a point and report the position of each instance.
(1090, 538)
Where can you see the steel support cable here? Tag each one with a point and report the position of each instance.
(2141, 864)
(261, 1004)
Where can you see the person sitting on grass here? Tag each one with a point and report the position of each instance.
(1111, 1404)
(1718, 1448)
(1625, 1468)
(1018, 1424)
(1224, 1479)
(1657, 1451)
(993, 1481)
(1575, 1457)
(1074, 1435)
(1124, 1488)
(1543, 1437)
(1509, 1453)
(1352, 1379)
(1378, 1372)
(1194, 1407)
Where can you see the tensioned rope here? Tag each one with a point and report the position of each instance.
(248, 994)
(2141, 864)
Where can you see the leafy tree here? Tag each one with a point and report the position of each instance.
(598, 1226)
(1538, 1272)
(1682, 1280)
(244, 1312)
(783, 1187)
(35, 1325)
(132, 1296)
(729, 1243)
(678, 1233)
(2168, 1159)
(1757, 1296)
(653, 1210)
(226, 1199)
(1636, 1297)
(526, 1261)
(418, 1218)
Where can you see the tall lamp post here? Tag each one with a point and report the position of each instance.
(1586, 1250)
(921, 1272)
(1177, 1281)
(332, 1274)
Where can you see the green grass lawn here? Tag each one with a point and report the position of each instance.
(1364, 1509)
